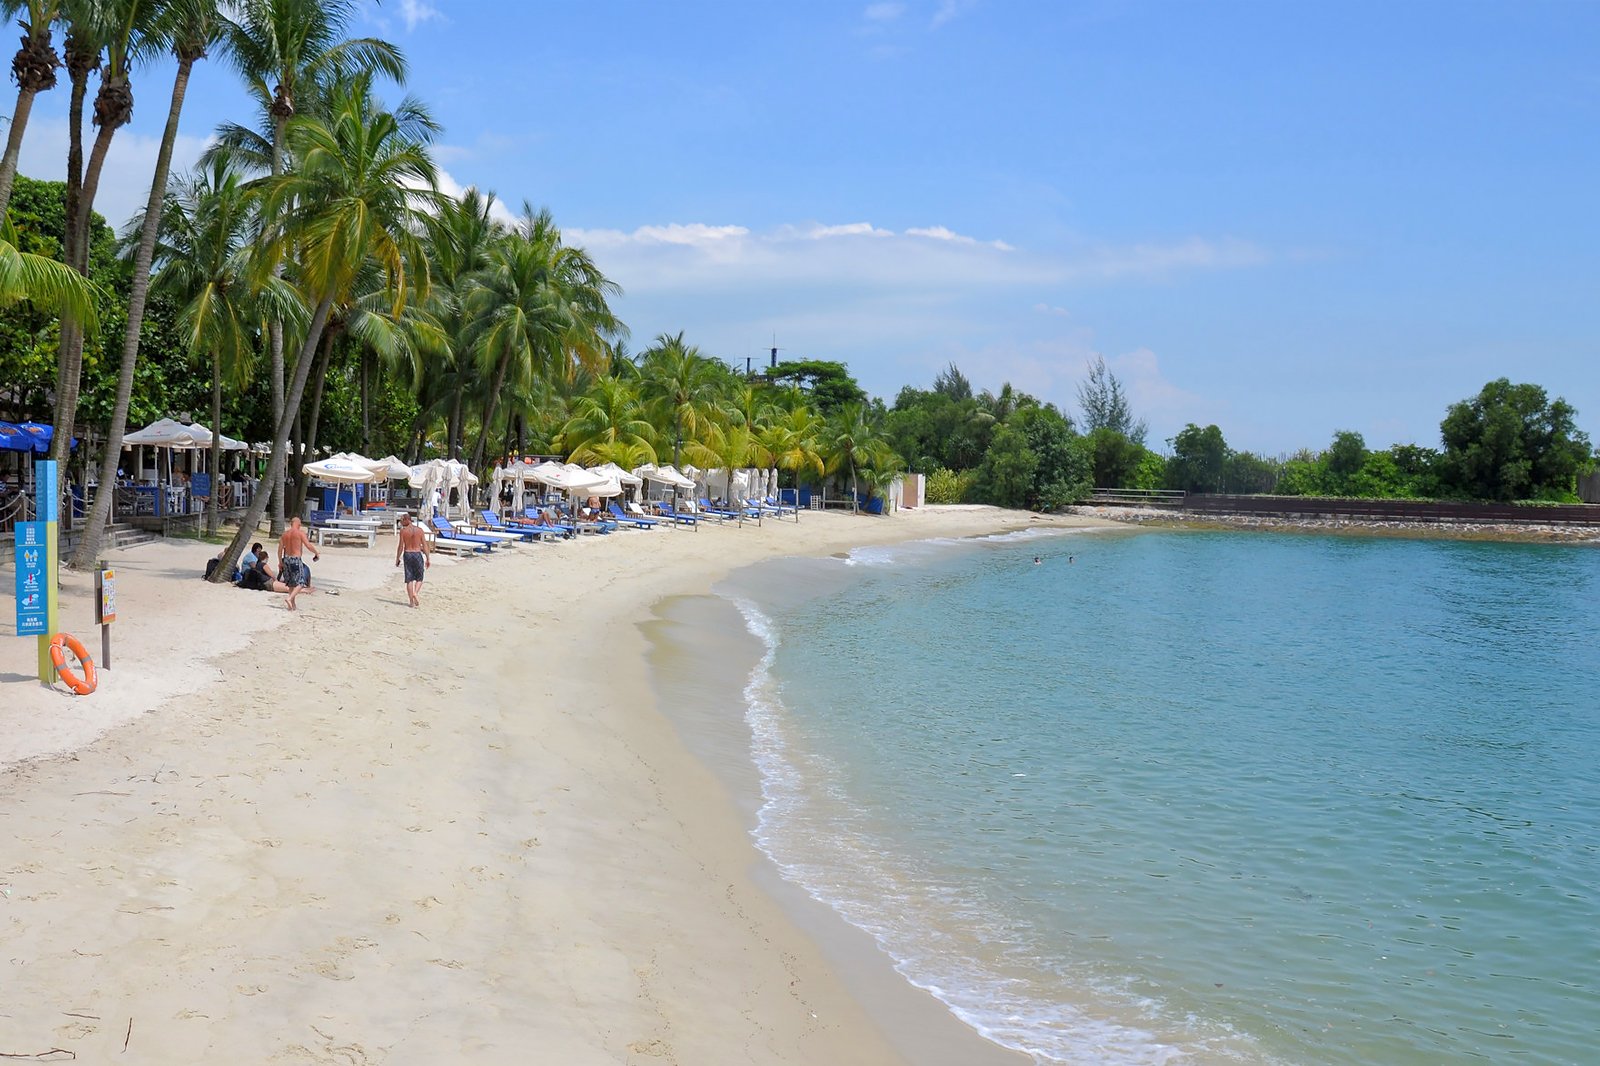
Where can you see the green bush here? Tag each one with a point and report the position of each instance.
(948, 486)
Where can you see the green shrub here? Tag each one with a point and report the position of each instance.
(948, 486)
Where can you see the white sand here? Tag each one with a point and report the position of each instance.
(363, 833)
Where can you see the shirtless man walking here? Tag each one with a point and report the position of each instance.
(417, 555)
(292, 547)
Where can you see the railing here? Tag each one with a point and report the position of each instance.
(14, 507)
(1139, 497)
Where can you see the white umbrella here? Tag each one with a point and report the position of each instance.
(622, 476)
(341, 469)
(391, 468)
(166, 433)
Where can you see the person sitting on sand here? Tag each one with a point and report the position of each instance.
(258, 578)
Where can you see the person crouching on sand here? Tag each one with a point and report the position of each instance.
(415, 553)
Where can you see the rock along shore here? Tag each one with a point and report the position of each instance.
(1518, 532)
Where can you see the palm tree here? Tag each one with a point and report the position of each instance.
(730, 445)
(132, 31)
(852, 441)
(359, 190)
(202, 259)
(189, 27)
(34, 70)
(791, 444)
(43, 282)
(284, 49)
(461, 237)
(608, 421)
(682, 384)
(540, 307)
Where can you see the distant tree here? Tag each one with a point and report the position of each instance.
(1006, 476)
(1249, 473)
(1197, 459)
(1511, 442)
(1105, 405)
(828, 383)
(953, 384)
(1115, 457)
(1346, 455)
(1065, 474)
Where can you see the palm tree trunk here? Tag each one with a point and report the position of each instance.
(8, 164)
(275, 339)
(489, 407)
(71, 338)
(280, 445)
(214, 506)
(366, 404)
(94, 526)
(314, 420)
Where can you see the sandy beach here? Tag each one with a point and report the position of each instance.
(361, 833)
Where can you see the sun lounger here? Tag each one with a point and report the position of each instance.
(453, 546)
(445, 531)
(707, 507)
(542, 520)
(526, 532)
(630, 520)
(677, 517)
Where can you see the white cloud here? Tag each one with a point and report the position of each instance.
(129, 167)
(883, 12)
(950, 9)
(1047, 309)
(454, 189)
(416, 12)
(940, 233)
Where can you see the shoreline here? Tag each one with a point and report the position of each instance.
(1482, 531)
(411, 836)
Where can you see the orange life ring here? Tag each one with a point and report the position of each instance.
(62, 643)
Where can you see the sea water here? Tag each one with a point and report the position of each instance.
(1167, 797)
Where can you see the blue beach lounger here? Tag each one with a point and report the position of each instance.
(678, 517)
(445, 531)
(491, 522)
(627, 519)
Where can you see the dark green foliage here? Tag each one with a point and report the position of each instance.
(1247, 472)
(1197, 459)
(828, 383)
(1116, 458)
(1511, 442)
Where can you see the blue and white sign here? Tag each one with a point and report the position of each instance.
(33, 559)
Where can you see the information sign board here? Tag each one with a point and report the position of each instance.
(33, 568)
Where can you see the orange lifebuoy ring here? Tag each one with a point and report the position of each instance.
(62, 643)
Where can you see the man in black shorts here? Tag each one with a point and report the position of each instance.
(415, 553)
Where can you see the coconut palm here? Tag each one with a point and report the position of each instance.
(729, 444)
(852, 441)
(286, 50)
(43, 282)
(461, 236)
(189, 28)
(682, 385)
(34, 70)
(790, 441)
(359, 190)
(202, 260)
(608, 420)
(539, 308)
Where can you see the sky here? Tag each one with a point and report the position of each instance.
(1284, 219)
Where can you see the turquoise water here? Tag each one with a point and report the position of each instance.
(1196, 797)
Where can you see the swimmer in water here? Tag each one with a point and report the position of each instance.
(1037, 560)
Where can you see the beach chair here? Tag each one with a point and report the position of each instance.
(445, 531)
(677, 517)
(523, 531)
(630, 520)
(725, 513)
(781, 507)
(543, 519)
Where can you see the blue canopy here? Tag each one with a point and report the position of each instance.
(15, 438)
(41, 435)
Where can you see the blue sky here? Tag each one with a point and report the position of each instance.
(1287, 219)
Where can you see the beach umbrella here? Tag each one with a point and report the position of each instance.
(14, 438)
(165, 433)
(391, 468)
(340, 469)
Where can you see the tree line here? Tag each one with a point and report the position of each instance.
(1510, 442)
